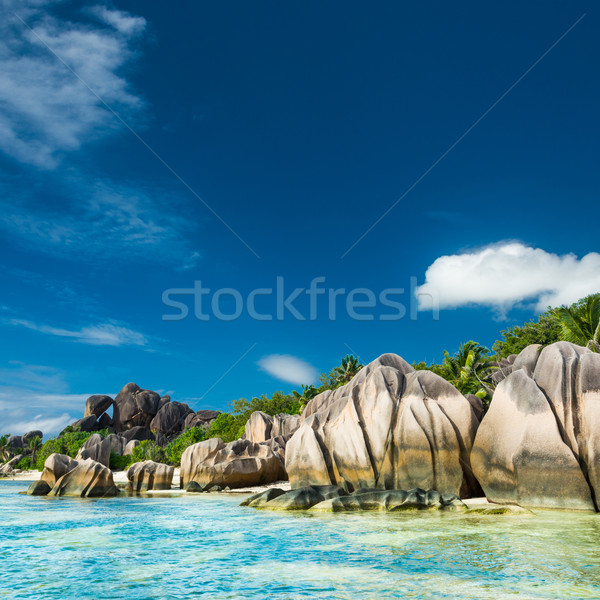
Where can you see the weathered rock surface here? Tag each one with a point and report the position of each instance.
(55, 467)
(99, 449)
(97, 405)
(87, 424)
(237, 464)
(150, 475)
(38, 488)
(130, 446)
(298, 499)
(8, 467)
(201, 418)
(135, 407)
(170, 419)
(89, 479)
(258, 500)
(261, 427)
(15, 442)
(539, 443)
(138, 433)
(391, 427)
(391, 501)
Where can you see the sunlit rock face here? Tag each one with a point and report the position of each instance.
(236, 464)
(391, 427)
(539, 443)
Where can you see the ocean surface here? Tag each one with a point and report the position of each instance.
(207, 546)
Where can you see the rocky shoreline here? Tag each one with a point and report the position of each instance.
(391, 439)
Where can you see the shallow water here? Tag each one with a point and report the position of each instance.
(207, 546)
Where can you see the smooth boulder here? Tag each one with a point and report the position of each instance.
(55, 466)
(96, 405)
(150, 475)
(237, 464)
(135, 407)
(170, 419)
(539, 443)
(89, 479)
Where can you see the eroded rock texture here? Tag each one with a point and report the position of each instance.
(237, 464)
(150, 475)
(391, 427)
(539, 443)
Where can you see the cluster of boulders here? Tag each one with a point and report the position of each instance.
(87, 478)
(18, 447)
(150, 415)
(379, 441)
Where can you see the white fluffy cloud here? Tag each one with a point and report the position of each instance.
(507, 274)
(289, 368)
(45, 110)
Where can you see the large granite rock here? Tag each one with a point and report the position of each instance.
(99, 449)
(135, 407)
(149, 475)
(15, 442)
(97, 405)
(55, 467)
(237, 464)
(391, 427)
(8, 467)
(138, 433)
(170, 419)
(89, 479)
(539, 443)
(261, 427)
(87, 424)
(30, 435)
(201, 418)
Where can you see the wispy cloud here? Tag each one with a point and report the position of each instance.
(44, 110)
(104, 334)
(508, 273)
(98, 221)
(289, 368)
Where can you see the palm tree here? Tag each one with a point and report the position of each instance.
(467, 369)
(580, 323)
(308, 393)
(347, 370)
(33, 445)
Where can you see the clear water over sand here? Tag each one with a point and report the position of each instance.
(207, 546)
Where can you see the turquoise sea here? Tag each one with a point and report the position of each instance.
(206, 546)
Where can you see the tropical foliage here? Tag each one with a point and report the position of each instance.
(68, 443)
(580, 323)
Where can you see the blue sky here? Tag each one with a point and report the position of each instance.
(146, 147)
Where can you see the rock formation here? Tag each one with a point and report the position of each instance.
(391, 427)
(98, 448)
(149, 475)
(237, 464)
(539, 443)
(89, 479)
(261, 427)
(97, 405)
(135, 407)
(170, 419)
(55, 467)
(201, 418)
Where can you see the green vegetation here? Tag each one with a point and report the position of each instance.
(546, 330)
(24, 464)
(174, 450)
(67, 443)
(4, 448)
(580, 323)
(148, 450)
(118, 462)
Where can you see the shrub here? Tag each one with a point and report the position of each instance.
(118, 462)
(174, 450)
(68, 443)
(24, 464)
(148, 450)
(228, 427)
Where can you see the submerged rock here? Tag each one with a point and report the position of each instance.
(237, 464)
(89, 479)
(39, 488)
(302, 498)
(391, 501)
(150, 475)
(261, 498)
(391, 427)
(539, 443)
